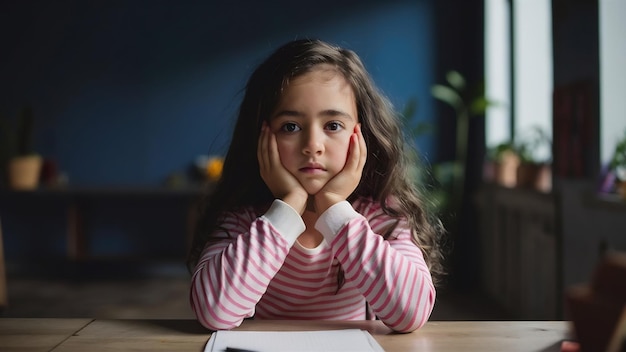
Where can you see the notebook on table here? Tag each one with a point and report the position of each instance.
(305, 341)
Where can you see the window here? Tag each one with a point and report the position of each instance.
(497, 71)
(522, 86)
(612, 75)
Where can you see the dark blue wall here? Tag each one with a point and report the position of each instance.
(128, 92)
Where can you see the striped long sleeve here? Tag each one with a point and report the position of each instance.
(232, 275)
(391, 274)
(259, 269)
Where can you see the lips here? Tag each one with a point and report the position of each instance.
(312, 168)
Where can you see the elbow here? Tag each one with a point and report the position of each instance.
(419, 314)
(208, 318)
(215, 325)
(415, 324)
(405, 330)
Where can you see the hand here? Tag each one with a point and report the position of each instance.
(281, 182)
(346, 181)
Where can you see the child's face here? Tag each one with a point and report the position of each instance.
(313, 122)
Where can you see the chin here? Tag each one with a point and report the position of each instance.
(313, 189)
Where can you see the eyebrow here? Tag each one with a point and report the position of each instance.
(328, 112)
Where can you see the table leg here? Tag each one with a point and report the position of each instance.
(76, 246)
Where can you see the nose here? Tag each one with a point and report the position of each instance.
(313, 143)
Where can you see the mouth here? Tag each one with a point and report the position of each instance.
(312, 168)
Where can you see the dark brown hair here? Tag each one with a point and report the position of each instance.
(389, 172)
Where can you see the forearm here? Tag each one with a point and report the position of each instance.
(394, 279)
(232, 276)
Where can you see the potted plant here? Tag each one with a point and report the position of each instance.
(533, 171)
(503, 160)
(618, 165)
(467, 102)
(23, 164)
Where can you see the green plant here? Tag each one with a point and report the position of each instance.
(618, 161)
(496, 153)
(467, 102)
(529, 146)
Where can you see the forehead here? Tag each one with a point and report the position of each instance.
(322, 89)
(320, 73)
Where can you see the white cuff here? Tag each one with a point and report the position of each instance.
(286, 220)
(334, 219)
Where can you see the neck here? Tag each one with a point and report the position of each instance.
(310, 204)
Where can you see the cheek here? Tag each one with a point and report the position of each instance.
(285, 152)
(341, 149)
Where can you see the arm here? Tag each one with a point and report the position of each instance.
(233, 274)
(391, 274)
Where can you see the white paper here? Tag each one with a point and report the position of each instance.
(292, 341)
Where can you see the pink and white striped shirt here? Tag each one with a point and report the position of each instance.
(262, 271)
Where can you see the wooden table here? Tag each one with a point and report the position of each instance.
(73, 335)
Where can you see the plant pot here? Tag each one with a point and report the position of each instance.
(24, 172)
(505, 170)
(535, 176)
(543, 178)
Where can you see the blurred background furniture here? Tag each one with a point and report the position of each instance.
(598, 308)
(520, 242)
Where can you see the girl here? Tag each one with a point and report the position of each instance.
(316, 215)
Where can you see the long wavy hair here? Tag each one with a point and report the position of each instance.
(389, 172)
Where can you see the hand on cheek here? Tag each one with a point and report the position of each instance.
(280, 182)
(346, 181)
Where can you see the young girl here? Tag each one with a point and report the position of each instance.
(316, 215)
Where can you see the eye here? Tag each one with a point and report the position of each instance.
(334, 126)
(290, 127)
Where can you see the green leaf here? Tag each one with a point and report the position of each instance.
(478, 106)
(448, 95)
(456, 80)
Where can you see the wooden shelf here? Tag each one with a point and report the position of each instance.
(111, 191)
(75, 199)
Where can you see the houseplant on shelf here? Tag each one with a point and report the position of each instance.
(618, 165)
(23, 164)
(501, 165)
(534, 170)
(467, 102)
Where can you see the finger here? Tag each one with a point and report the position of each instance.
(353, 153)
(273, 155)
(362, 149)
